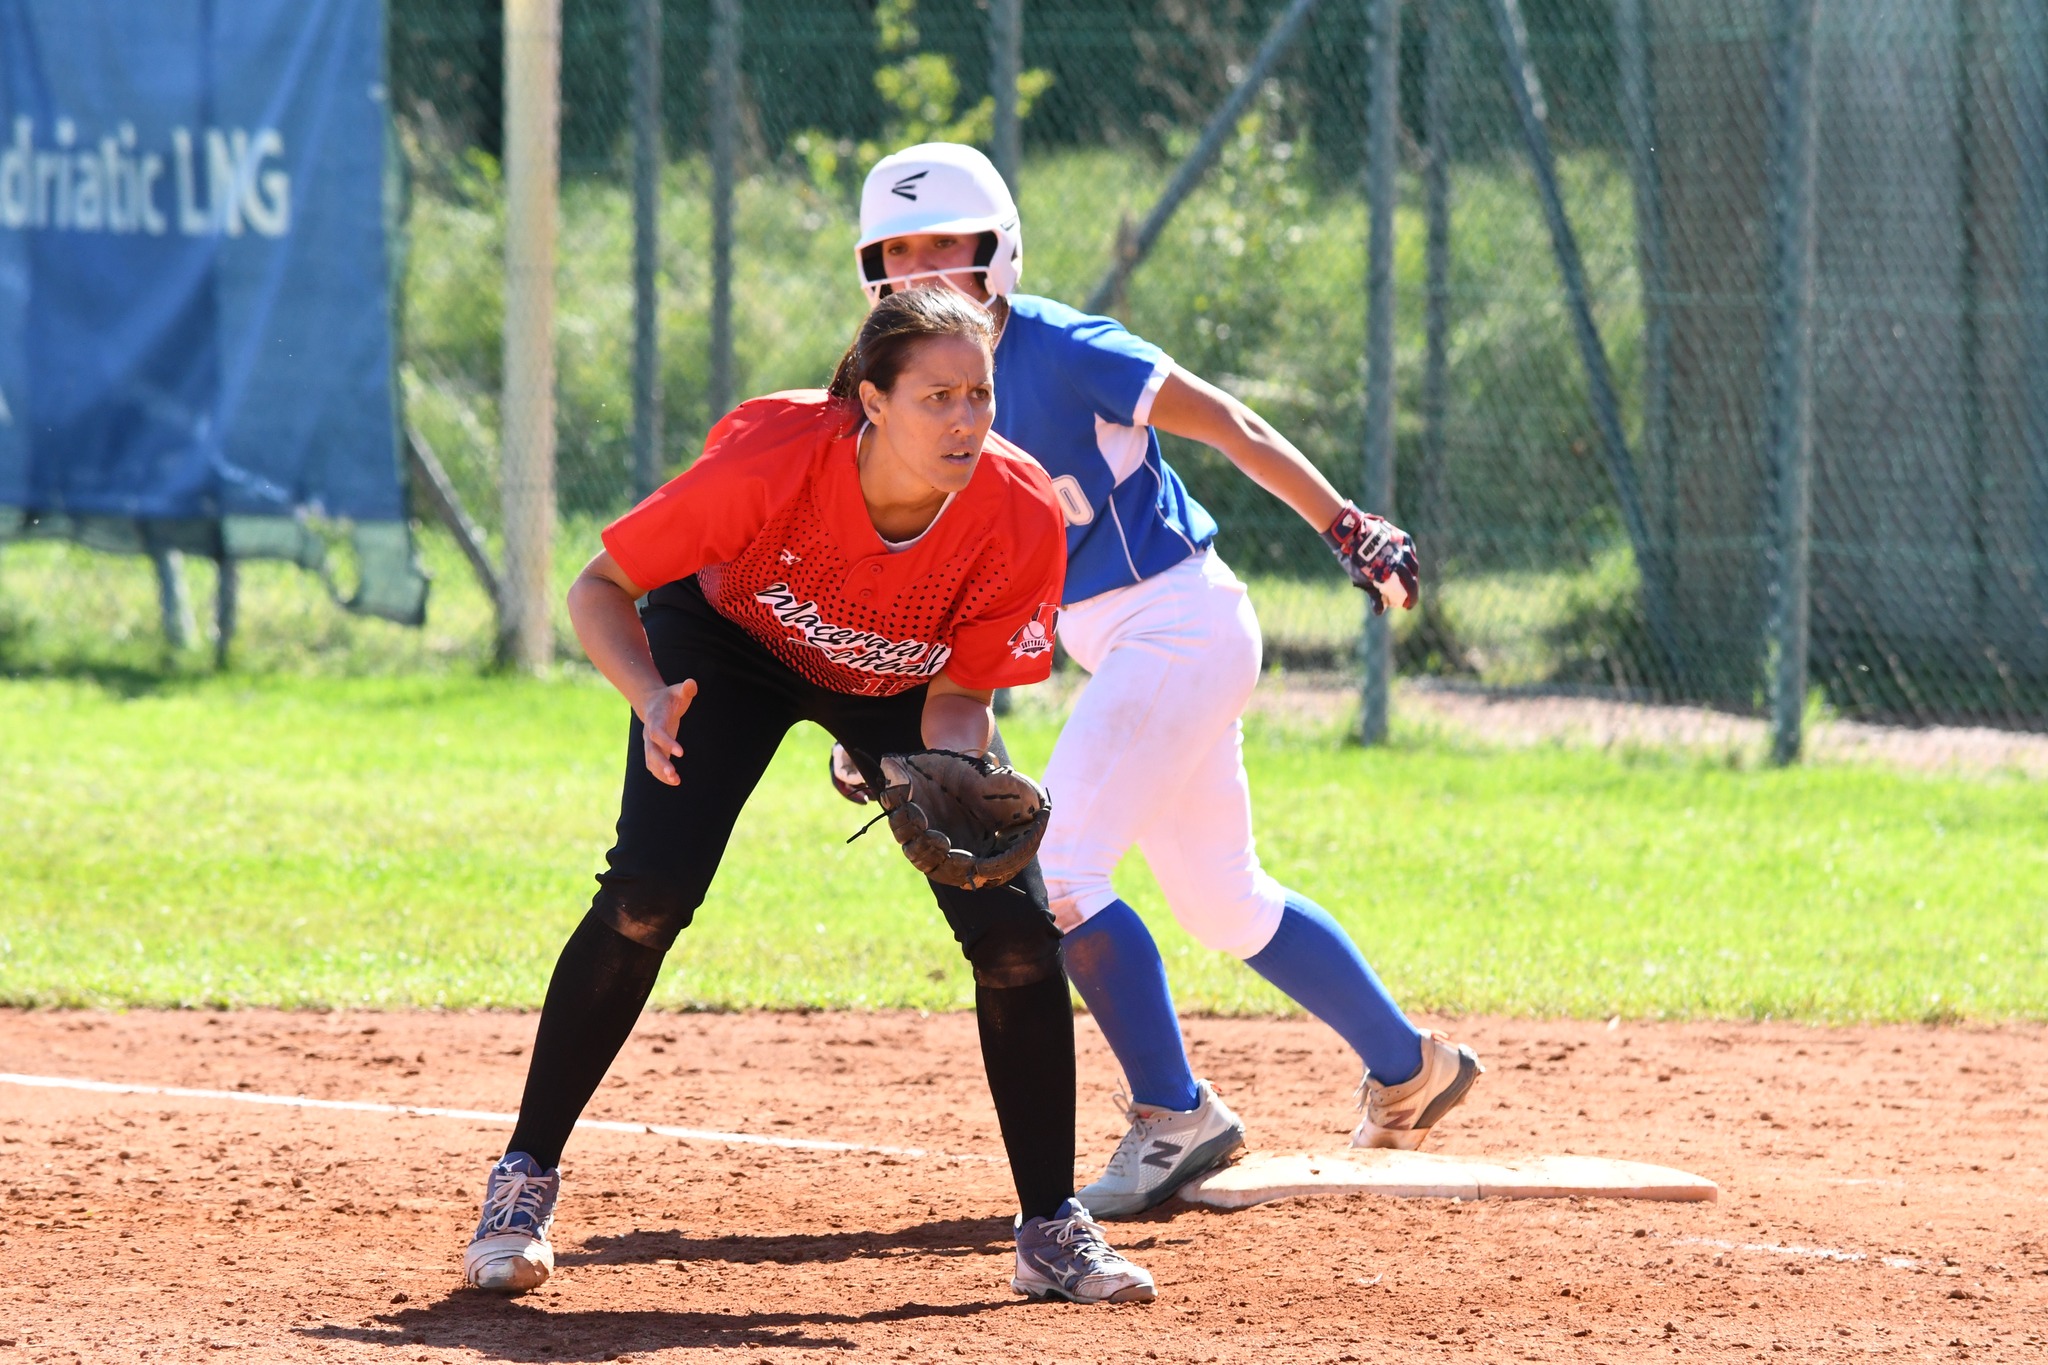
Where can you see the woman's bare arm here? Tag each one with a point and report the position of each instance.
(608, 627)
(1188, 405)
(957, 717)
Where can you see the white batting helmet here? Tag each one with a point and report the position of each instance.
(939, 187)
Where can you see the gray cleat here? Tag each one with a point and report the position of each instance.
(1163, 1150)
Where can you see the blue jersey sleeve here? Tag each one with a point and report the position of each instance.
(1111, 370)
(1076, 392)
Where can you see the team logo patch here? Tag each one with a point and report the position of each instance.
(857, 649)
(907, 186)
(1035, 636)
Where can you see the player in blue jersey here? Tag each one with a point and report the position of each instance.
(1152, 754)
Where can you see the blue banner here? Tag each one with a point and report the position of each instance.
(195, 302)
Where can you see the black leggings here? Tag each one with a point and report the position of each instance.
(670, 840)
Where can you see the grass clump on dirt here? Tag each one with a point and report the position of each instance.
(429, 840)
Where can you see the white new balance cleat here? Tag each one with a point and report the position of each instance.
(1400, 1116)
(510, 1253)
(1067, 1257)
(1163, 1150)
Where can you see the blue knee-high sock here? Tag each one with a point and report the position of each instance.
(1113, 962)
(1315, 962)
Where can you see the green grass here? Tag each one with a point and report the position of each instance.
(429, 840)
(67, 610)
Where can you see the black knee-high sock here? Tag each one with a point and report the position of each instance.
(600, 983)
(1027, 1048)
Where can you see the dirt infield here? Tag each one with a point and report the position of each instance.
(1883, 1194)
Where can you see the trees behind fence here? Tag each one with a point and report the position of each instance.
(1711, 333)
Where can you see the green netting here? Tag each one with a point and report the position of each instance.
(1930, 303)
(1928, 507)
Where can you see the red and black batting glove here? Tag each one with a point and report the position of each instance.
(1379, 556)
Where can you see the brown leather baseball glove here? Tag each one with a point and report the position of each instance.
(962, 819)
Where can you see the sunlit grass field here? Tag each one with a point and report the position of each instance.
(69, 610)
(429, 840)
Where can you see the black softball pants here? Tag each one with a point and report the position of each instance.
(670, 841)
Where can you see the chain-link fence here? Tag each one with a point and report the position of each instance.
(1711, 319)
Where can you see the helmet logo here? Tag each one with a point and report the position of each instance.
(907, 186)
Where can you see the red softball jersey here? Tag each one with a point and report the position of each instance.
(771, 520)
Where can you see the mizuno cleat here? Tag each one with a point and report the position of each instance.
(510, 1253)
(1067, 1257)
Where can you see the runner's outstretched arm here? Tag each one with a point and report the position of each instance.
(1190, 406)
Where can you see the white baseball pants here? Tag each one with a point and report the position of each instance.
(1153, 755)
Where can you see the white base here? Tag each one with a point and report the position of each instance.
(1264, 1176)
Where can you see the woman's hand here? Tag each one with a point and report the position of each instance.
(601, 608)
(660, 712)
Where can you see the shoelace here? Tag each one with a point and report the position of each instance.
(1133, 1144)
(515, 1193)
(1393, 1118)
(1082, 1237)
(1362, 1096)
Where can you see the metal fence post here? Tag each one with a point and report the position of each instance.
(1432, 504)
(1974, 131)
(1653, 256)
(430, 477)
(227, 607)
(725, 140)
(533, 51)
(1383, 63)
(1006, 63)
(174, 599)
(648, 160)
(2030, 105)
(1525, 91)
(1791, 380)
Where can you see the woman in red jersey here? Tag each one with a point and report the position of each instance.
(872, 559)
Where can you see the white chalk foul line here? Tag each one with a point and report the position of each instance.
(1778, 1249)
(429, 1111)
